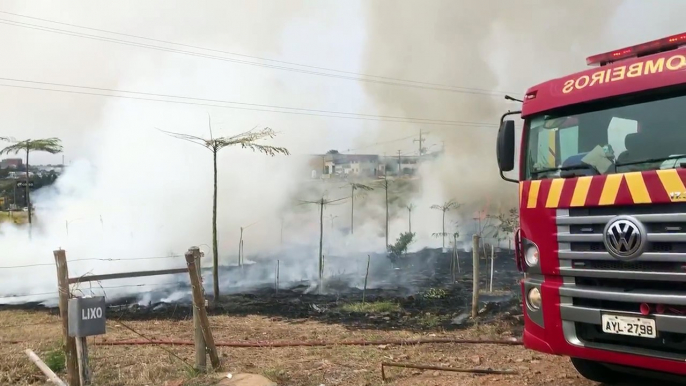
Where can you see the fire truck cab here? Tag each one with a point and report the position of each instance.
(602, 199)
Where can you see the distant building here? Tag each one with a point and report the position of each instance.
(351, 164)
(11, 163)
(403, 165)
(20, 175)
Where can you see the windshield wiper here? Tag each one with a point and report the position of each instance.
(566, 168)
(651, 160)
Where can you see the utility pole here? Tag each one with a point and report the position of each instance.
(420, 140)
(386, 188)
(321, 243)
(28, 199)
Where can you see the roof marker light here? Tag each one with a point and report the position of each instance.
(653, 47)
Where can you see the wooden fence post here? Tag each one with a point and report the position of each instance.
(475, 276)
(200, 347)
(70, 343)
(490, 286)
(278, 267)
(199, 306)
(82, 357)
(366, 276)
(44, 368)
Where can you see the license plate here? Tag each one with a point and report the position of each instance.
(629, 325)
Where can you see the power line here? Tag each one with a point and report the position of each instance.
(93, 288)
(90, 259)
(380, 79)
(457, 123)
(429, 120)
(379, 143)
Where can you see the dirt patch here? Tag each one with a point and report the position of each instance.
(333, 365)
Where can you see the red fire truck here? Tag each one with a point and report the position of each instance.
(602, 198)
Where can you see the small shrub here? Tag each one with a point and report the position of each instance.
(371, 307)
(55, 359)
(436, 293)
(277, 375)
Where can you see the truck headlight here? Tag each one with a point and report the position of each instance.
(533, 299)
(531, 256)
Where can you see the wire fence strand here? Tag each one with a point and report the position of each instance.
(92, 259)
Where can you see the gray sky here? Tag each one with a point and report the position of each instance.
(154, 193)
(527, 43)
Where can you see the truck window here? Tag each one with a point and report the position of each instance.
(606, 132)
(546, 148)
(569, 142)
(618, 130)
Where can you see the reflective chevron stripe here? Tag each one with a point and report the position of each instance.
(655, 186)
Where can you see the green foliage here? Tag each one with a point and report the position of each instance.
(55, 359)
(507, 222)
(447, 206)
(401, 244)
(246, 140)
(361, 187)
(49, 145)
(435, 293)
(378, 307)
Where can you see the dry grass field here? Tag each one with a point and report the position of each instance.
(139, 365)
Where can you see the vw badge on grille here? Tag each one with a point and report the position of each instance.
(624, 238)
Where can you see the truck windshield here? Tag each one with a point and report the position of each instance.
(635, 137)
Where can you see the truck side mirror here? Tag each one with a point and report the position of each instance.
(505, 150)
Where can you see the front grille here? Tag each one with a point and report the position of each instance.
(674, 247)
(628, 285)
(666, 342)
(655, 266)
(595, 282)
(672, 208)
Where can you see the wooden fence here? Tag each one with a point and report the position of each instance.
(76, 351)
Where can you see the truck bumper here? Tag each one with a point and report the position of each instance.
(545, 331)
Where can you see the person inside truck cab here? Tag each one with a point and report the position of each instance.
(658, 141)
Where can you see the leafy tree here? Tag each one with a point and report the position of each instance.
(49, 145)
(446, 207)
(508, 222)
(402, 243)
(246, 140)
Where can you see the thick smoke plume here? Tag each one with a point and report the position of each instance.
(132, 192)
(493, 46)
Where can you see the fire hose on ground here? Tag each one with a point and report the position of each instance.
(398, 342)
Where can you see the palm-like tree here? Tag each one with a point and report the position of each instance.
(384, 183)
(410, 207)
(49, 145)
(353, 187)
(246, 140)
(446, 207)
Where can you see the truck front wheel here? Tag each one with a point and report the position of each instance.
(597, 372)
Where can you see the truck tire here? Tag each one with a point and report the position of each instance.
(597, 372)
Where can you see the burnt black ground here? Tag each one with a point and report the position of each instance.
(420, 284)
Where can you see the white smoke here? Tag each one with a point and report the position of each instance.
(131, 191)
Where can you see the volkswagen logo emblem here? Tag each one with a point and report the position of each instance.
(624, 238)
